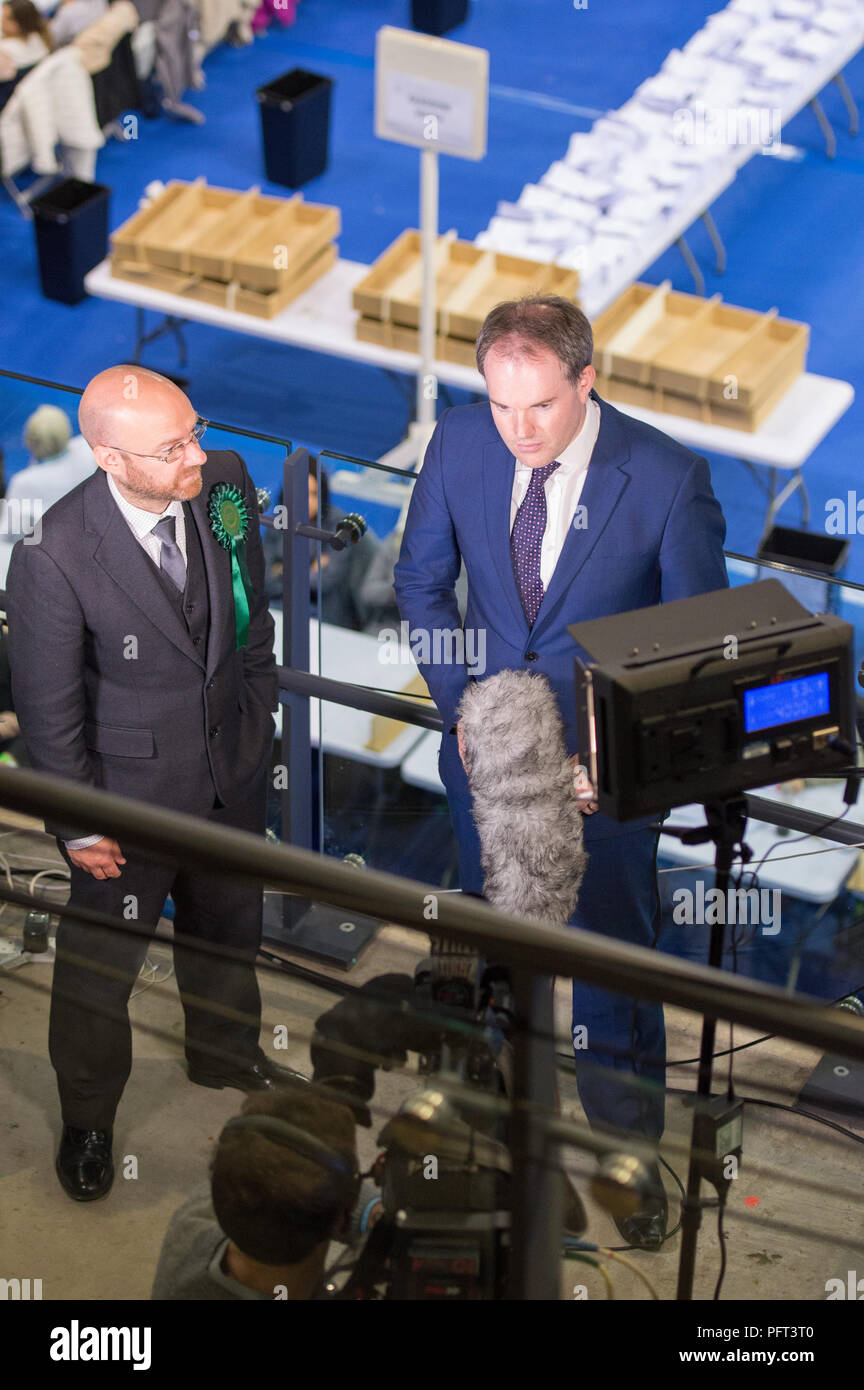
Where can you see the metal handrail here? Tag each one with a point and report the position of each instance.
(358, 697)
(526, 943)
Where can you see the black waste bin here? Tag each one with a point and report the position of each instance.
(437, 16)
(808, 550)
(71, 222)
(295, 126)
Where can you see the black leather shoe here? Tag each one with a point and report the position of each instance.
(646, 1228)
(84, 1164)
(260, 1075)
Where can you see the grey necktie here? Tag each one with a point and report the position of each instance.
(171, 560)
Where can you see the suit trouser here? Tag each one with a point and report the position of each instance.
(621, 1046)
(90, 1039)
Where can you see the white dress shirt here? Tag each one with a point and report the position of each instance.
(563, 490)
(141, 525)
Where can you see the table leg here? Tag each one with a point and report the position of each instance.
(407, 392)
(169, 324)
(795, 484)
(692, 265)
(849, 103)
(716, 242)
(825, 127)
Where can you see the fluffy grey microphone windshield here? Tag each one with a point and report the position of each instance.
(521, 780)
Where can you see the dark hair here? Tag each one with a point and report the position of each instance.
(29, 20)
(525, 326)
(274, 1204)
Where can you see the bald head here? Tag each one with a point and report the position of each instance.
(120, 404)
(141, 428)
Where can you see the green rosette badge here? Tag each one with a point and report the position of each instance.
(229, 522)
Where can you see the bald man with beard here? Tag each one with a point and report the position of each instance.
(134, 670)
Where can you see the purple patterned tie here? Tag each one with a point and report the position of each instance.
(526, 541)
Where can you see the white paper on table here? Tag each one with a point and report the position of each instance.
(731, 23)
(578, 258)
(560, 229)
(552, 202)
(538, 198)
(514, 212)
(637, 211)
(795, 9)
(647, 122)
(615, 130)
(579, 185)
(667, 174)
(664, 90)
(690, 67)
(774, 32)
(558, 204)
(619, 230)
(502, 234)
(780, 73)
(838, 21)
(582, 146)
(608, 251)
(727, 80)
(758, 9)
(813, 44)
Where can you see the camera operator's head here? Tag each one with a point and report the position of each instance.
(281, 1196)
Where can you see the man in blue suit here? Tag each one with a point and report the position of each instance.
(562, 510)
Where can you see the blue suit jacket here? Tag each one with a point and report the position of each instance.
(653, 531)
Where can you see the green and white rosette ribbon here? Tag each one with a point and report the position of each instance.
(229, 522)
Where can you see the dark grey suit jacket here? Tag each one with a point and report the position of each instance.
(109, 688)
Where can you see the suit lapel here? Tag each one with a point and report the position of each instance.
(604, 482)
(498, 469)
(124, 559)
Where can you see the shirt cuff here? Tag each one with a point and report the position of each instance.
(85, 843)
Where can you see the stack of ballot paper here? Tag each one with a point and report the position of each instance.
(682, 136)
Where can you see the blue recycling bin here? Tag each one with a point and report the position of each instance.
(71, 224)
(811, 551)
(438, 16)
(295, 126)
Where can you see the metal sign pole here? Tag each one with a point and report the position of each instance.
(427, 390)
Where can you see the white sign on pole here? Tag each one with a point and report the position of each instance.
(431, 93)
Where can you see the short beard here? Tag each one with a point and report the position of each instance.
(140, 485)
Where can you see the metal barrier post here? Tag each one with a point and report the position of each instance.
(537, 1185)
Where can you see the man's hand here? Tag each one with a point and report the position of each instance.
(102, 860)
(9, 726)
(582, 787)
(460, 739)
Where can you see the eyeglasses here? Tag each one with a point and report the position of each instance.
(176, 452)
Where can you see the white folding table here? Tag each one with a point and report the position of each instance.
(322, 320)
(357, 659)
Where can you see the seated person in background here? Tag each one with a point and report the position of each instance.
(72, 17)
(377, 597)
(342, 571)
(59, 464)
(263, 1229)
(24, 37)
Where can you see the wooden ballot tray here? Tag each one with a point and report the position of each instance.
(469, 282)
(240, 251)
